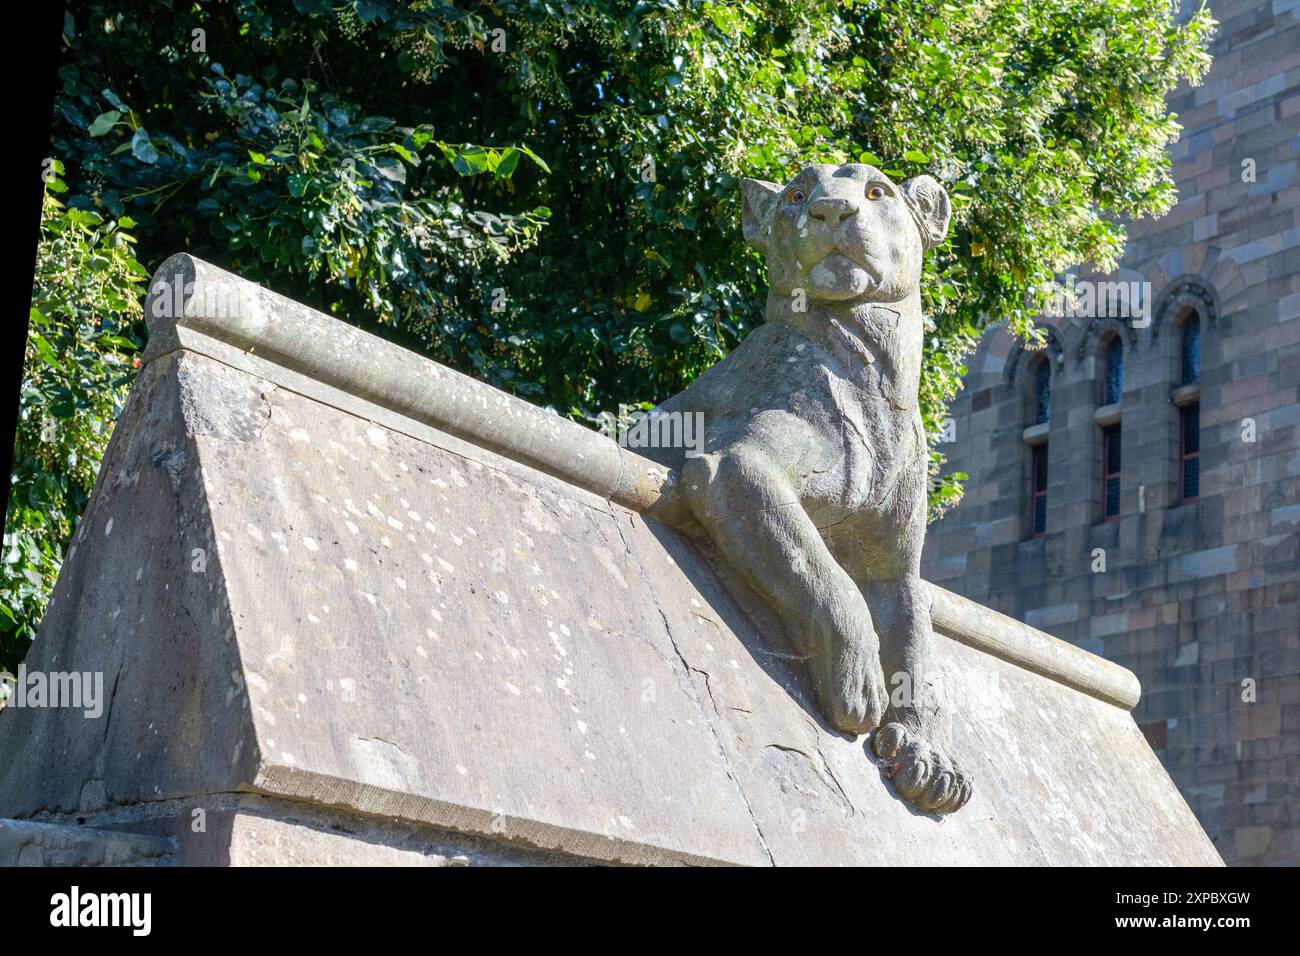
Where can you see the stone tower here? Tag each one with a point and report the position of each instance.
(1135, 485)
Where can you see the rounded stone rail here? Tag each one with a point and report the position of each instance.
(196, 306)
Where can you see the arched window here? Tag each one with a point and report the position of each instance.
(1112, 394)
(1041, 409)
(1114, 390)
(1189, 452)
(1192, 349)
(1189, 415)
(1188, 307)
(1042, 391)
(1038, 490)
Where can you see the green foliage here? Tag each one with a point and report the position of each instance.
(588, 253)
(81, 346)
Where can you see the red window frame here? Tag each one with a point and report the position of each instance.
(1110, 469)
(1037, 489)
(1184, 456)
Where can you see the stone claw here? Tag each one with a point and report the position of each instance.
(921, 774)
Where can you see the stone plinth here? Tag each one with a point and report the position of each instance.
(354, 607)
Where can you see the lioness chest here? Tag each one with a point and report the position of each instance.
(842, 415)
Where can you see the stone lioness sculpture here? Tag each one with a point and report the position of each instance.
(812, 481)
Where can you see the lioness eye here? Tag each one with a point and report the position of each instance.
(795, 196)
(876, 192)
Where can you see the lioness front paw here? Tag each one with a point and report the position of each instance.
(856, 713)
(921, 773)
(858, 705)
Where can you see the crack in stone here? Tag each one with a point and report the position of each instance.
(853, 810)
(112, 696)
(827, 777)
(722, 751)
(270, 410)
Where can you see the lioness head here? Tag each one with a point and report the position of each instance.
(844, 233)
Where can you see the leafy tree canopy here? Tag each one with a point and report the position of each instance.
(78, 367)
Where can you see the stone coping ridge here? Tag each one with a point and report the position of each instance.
(196, 306)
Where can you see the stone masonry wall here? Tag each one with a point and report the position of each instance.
(1198, 598)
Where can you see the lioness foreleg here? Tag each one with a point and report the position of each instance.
(753, 515)
(921, 768)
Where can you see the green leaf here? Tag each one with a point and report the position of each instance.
(43, 347)
(142, 149)
(391, 169)
(535, 158)
(113, 100)
(103, 123)
(470, 160)
(117, 341)
(509, 160)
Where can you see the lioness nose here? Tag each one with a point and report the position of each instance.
(832, 210)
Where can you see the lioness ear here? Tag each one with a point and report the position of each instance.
(757, 199)
(929, 205)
